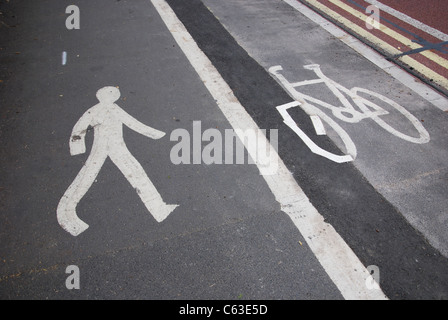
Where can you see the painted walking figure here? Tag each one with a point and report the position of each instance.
(107, 120)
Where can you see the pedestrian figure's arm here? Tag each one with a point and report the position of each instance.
(77, 139)
(139, 127)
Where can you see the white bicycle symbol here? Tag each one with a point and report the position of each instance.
(347, 113)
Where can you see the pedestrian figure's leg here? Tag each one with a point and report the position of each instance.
(137, 177)
(66, 212)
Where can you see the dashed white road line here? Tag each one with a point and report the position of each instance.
(336, 257)
(64, 58)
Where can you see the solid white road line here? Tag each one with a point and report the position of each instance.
(336, 257)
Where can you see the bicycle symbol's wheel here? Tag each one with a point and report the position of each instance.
(364, 104)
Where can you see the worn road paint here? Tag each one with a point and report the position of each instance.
(336, 257)
(107, 119)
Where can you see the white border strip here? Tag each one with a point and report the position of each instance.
(338, 260)
(409, 20)
(392, 69)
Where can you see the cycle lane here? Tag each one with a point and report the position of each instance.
(407, 178)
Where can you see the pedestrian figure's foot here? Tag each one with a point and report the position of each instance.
(163, 214)
(70, 222)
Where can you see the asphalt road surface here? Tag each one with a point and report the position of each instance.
(363, 200)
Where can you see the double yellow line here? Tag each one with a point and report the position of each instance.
(419, 67)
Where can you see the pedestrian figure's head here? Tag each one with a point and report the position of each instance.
(108, 94)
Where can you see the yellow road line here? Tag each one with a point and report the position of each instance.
(393, 34)
(437, 78)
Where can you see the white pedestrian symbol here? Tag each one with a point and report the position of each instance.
(107, 120)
